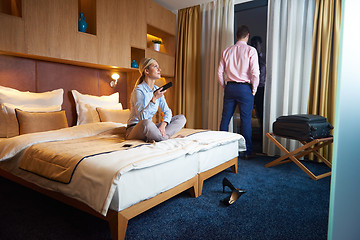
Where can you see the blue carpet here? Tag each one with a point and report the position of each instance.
(281, 202)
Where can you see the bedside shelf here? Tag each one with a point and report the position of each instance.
(137, 54)
(154, 33)
(11, 7)
(88, 8)
(156, 52)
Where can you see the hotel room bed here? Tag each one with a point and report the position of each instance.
(117, 192)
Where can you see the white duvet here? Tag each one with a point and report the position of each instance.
(95, 179)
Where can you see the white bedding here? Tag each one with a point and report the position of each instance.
(132, 189)
(97, 178)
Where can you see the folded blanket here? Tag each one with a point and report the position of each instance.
(58, 160)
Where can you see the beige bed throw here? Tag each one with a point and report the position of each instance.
(58, 160)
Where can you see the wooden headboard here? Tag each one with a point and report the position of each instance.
(40, 76)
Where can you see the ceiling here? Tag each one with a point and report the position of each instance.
(174, 5)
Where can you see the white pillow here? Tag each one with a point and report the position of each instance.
(86, 106)
(11, 122)
(25, 101)
(30, 99)
(3, 127)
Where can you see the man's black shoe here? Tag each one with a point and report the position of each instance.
(248, 156)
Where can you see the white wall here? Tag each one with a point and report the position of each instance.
(344, 214)
(241, 1)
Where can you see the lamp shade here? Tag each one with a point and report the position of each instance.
(115, 76)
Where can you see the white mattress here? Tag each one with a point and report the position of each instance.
(132, 188)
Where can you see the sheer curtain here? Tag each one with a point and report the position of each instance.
(217, 33)
(289, 54)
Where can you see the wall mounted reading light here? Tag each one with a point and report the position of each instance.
(115, 77)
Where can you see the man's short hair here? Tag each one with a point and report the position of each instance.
(242, 32)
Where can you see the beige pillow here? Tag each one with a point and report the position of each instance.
(11, 122)
(30, 122)
(111, 115)
(27, 101)
(88, 113)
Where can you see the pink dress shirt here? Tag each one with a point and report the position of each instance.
(240, 64)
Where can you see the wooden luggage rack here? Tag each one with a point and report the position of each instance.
(307, 148)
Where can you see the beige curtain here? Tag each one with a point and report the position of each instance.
(188, 68)
(217, 27)
(324, 71)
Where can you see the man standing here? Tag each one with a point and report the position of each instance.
(240, 64)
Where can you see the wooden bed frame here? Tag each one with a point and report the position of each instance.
(118, 220)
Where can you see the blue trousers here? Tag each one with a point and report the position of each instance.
(238, 94)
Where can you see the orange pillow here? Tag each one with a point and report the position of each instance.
(30, 122)
(112, 115)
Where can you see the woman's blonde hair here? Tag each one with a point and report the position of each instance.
(144, 64)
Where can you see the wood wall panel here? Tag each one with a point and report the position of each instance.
(166, 62)
(131, 80)
(160, 17)
(86, 48)
(48, 30)
(170, 94)
(53, 76)
(12, 32)
(136, 23)
(18, 73)
(50, 27)
(114, 39)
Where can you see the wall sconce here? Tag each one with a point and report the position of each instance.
(115, 77)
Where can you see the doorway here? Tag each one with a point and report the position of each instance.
(254, 15)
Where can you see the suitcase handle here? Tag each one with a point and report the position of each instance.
(313, 128)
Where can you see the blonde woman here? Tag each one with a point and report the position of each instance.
(145, 102)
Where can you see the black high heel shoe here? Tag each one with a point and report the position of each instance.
(227, 183)
(232, 198)
(235, 193)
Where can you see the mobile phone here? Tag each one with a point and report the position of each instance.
(164, 87)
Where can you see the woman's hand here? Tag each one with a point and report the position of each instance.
(162, 129)
(158, 94)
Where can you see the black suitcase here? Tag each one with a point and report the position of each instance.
(303, 127)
